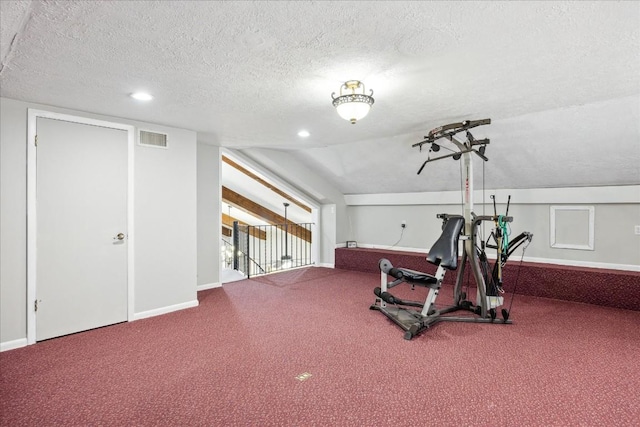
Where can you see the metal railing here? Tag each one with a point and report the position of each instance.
(226, 254)
(261, 249)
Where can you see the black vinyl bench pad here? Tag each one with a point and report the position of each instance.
(410, 276)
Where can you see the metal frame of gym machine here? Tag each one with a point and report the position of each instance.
(414, 321)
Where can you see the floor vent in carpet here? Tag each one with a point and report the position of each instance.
(303, 376)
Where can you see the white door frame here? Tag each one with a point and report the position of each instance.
(33, 115)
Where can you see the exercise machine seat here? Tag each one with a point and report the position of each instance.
(444, 251)
(411, 276)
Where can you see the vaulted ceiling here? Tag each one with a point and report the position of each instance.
(560, 80)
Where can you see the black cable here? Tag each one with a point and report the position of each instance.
(461, 191)
(483, 201)
(401, 234)
(513, 294)
(447, 148)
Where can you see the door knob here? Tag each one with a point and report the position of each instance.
(120, 236)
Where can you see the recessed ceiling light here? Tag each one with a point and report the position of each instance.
(303, 134)
(141, 96)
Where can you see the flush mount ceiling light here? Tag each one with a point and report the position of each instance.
(303, 134)
(141, 96)
(355, 105)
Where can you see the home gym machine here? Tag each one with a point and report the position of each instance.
(415, 316)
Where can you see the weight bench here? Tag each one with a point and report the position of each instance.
(443, 254)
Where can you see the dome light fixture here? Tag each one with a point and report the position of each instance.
(141, 96)
(353, 106)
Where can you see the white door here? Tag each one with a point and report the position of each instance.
(81, 242)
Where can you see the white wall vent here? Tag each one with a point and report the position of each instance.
(152, 139)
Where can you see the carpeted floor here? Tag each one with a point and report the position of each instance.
(233, 361)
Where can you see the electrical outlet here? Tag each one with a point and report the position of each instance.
(404, 223)
(637, 228)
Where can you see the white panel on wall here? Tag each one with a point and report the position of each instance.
(572, 227)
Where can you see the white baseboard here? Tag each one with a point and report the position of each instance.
(573, 263)
(387, 248)
(22, 342)
(208, 286)
(10, 345)
(165, 310)
(603, 265)
(563, 262)
(325, 265)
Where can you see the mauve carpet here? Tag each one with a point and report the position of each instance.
(233, 361)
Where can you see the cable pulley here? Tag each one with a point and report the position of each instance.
(449, 131)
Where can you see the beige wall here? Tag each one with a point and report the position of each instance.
(615, 242)
(209, 236)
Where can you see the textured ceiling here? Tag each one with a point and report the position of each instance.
(560, 80)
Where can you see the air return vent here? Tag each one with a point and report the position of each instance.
(152, 139)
